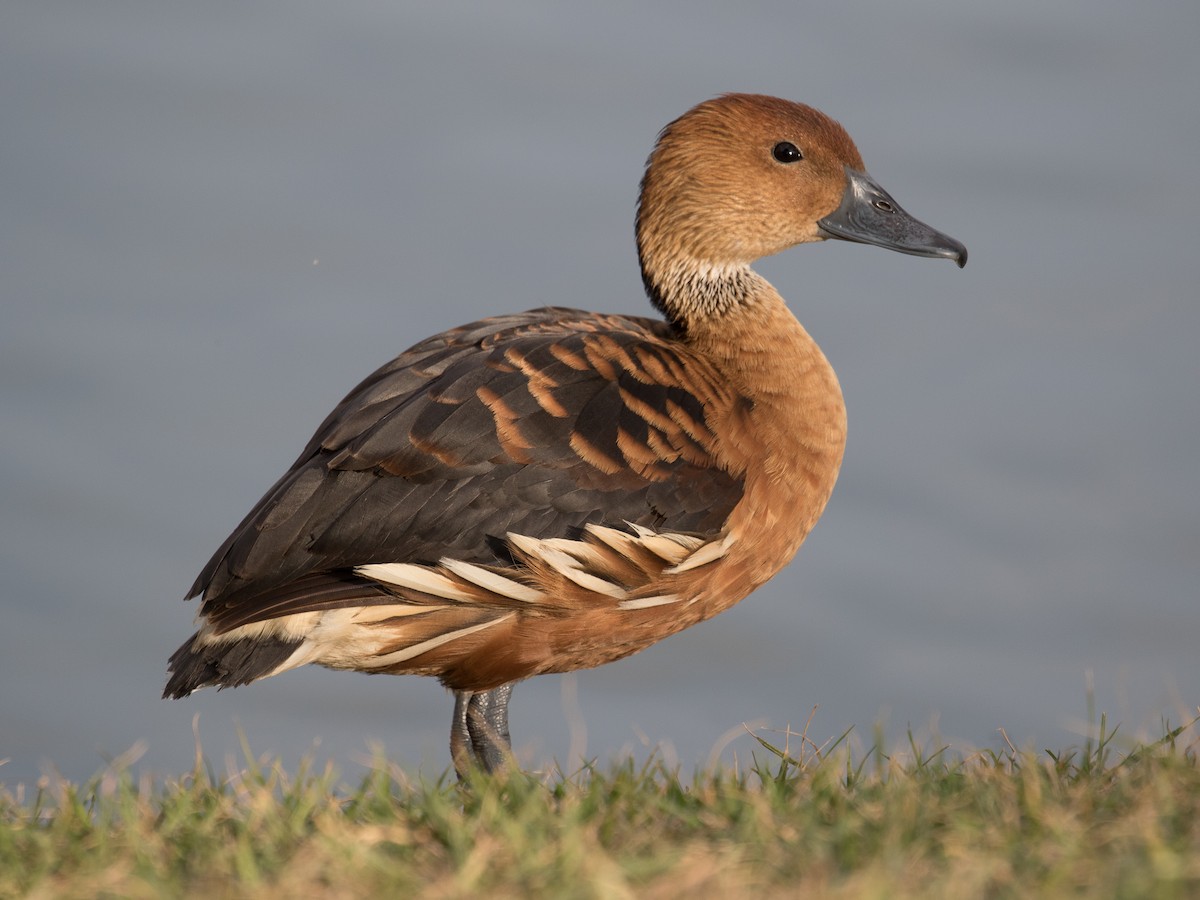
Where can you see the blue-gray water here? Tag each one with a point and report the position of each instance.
(216, 218)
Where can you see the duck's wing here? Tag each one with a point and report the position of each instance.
(537, 425)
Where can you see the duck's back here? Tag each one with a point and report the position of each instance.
(535, 424)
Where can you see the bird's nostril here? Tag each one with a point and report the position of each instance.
(884, 206)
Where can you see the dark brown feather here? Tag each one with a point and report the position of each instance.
(229, 664)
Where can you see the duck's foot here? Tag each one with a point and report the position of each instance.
(479, 736)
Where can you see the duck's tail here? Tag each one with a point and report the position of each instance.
(225, 664)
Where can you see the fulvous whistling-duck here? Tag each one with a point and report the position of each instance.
(558, 489)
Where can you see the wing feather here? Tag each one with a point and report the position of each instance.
(536, 424)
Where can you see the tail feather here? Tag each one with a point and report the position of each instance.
(224, 663)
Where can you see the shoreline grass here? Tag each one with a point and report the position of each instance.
(807, 821)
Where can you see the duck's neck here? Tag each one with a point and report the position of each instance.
(735, 318)
(771, 360)
(792, 429)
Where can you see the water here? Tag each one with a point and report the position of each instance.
(217, 219)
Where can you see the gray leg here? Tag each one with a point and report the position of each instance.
(461, 751)
(487, 721)
(479, 735)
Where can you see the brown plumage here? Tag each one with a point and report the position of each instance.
(558, 489)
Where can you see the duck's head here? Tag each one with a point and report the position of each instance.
(744, 176)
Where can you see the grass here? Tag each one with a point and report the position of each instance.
(802, 821)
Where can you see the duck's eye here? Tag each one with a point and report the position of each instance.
(787, 152)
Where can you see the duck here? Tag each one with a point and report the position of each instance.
(557, 489)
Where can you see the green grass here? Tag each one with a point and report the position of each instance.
(1097, 820)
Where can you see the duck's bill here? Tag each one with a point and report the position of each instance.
(869, 215)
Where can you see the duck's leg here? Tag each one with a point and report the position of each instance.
(460, 738)
(479, 734)
(487, 721)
